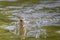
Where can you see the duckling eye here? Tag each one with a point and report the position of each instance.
(20, 20)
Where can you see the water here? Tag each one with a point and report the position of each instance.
(58, 31)
(9, 0)
(44, 13)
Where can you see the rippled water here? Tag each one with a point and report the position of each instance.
(44, 13)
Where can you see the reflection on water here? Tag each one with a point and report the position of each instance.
(42, 14)
(58, 31)
(8, 0)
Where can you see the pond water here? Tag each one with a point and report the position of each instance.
(40, 13)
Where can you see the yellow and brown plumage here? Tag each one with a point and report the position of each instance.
(22, 29)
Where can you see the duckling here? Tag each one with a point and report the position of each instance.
(22, 30)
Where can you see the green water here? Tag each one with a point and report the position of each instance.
(38, 12)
